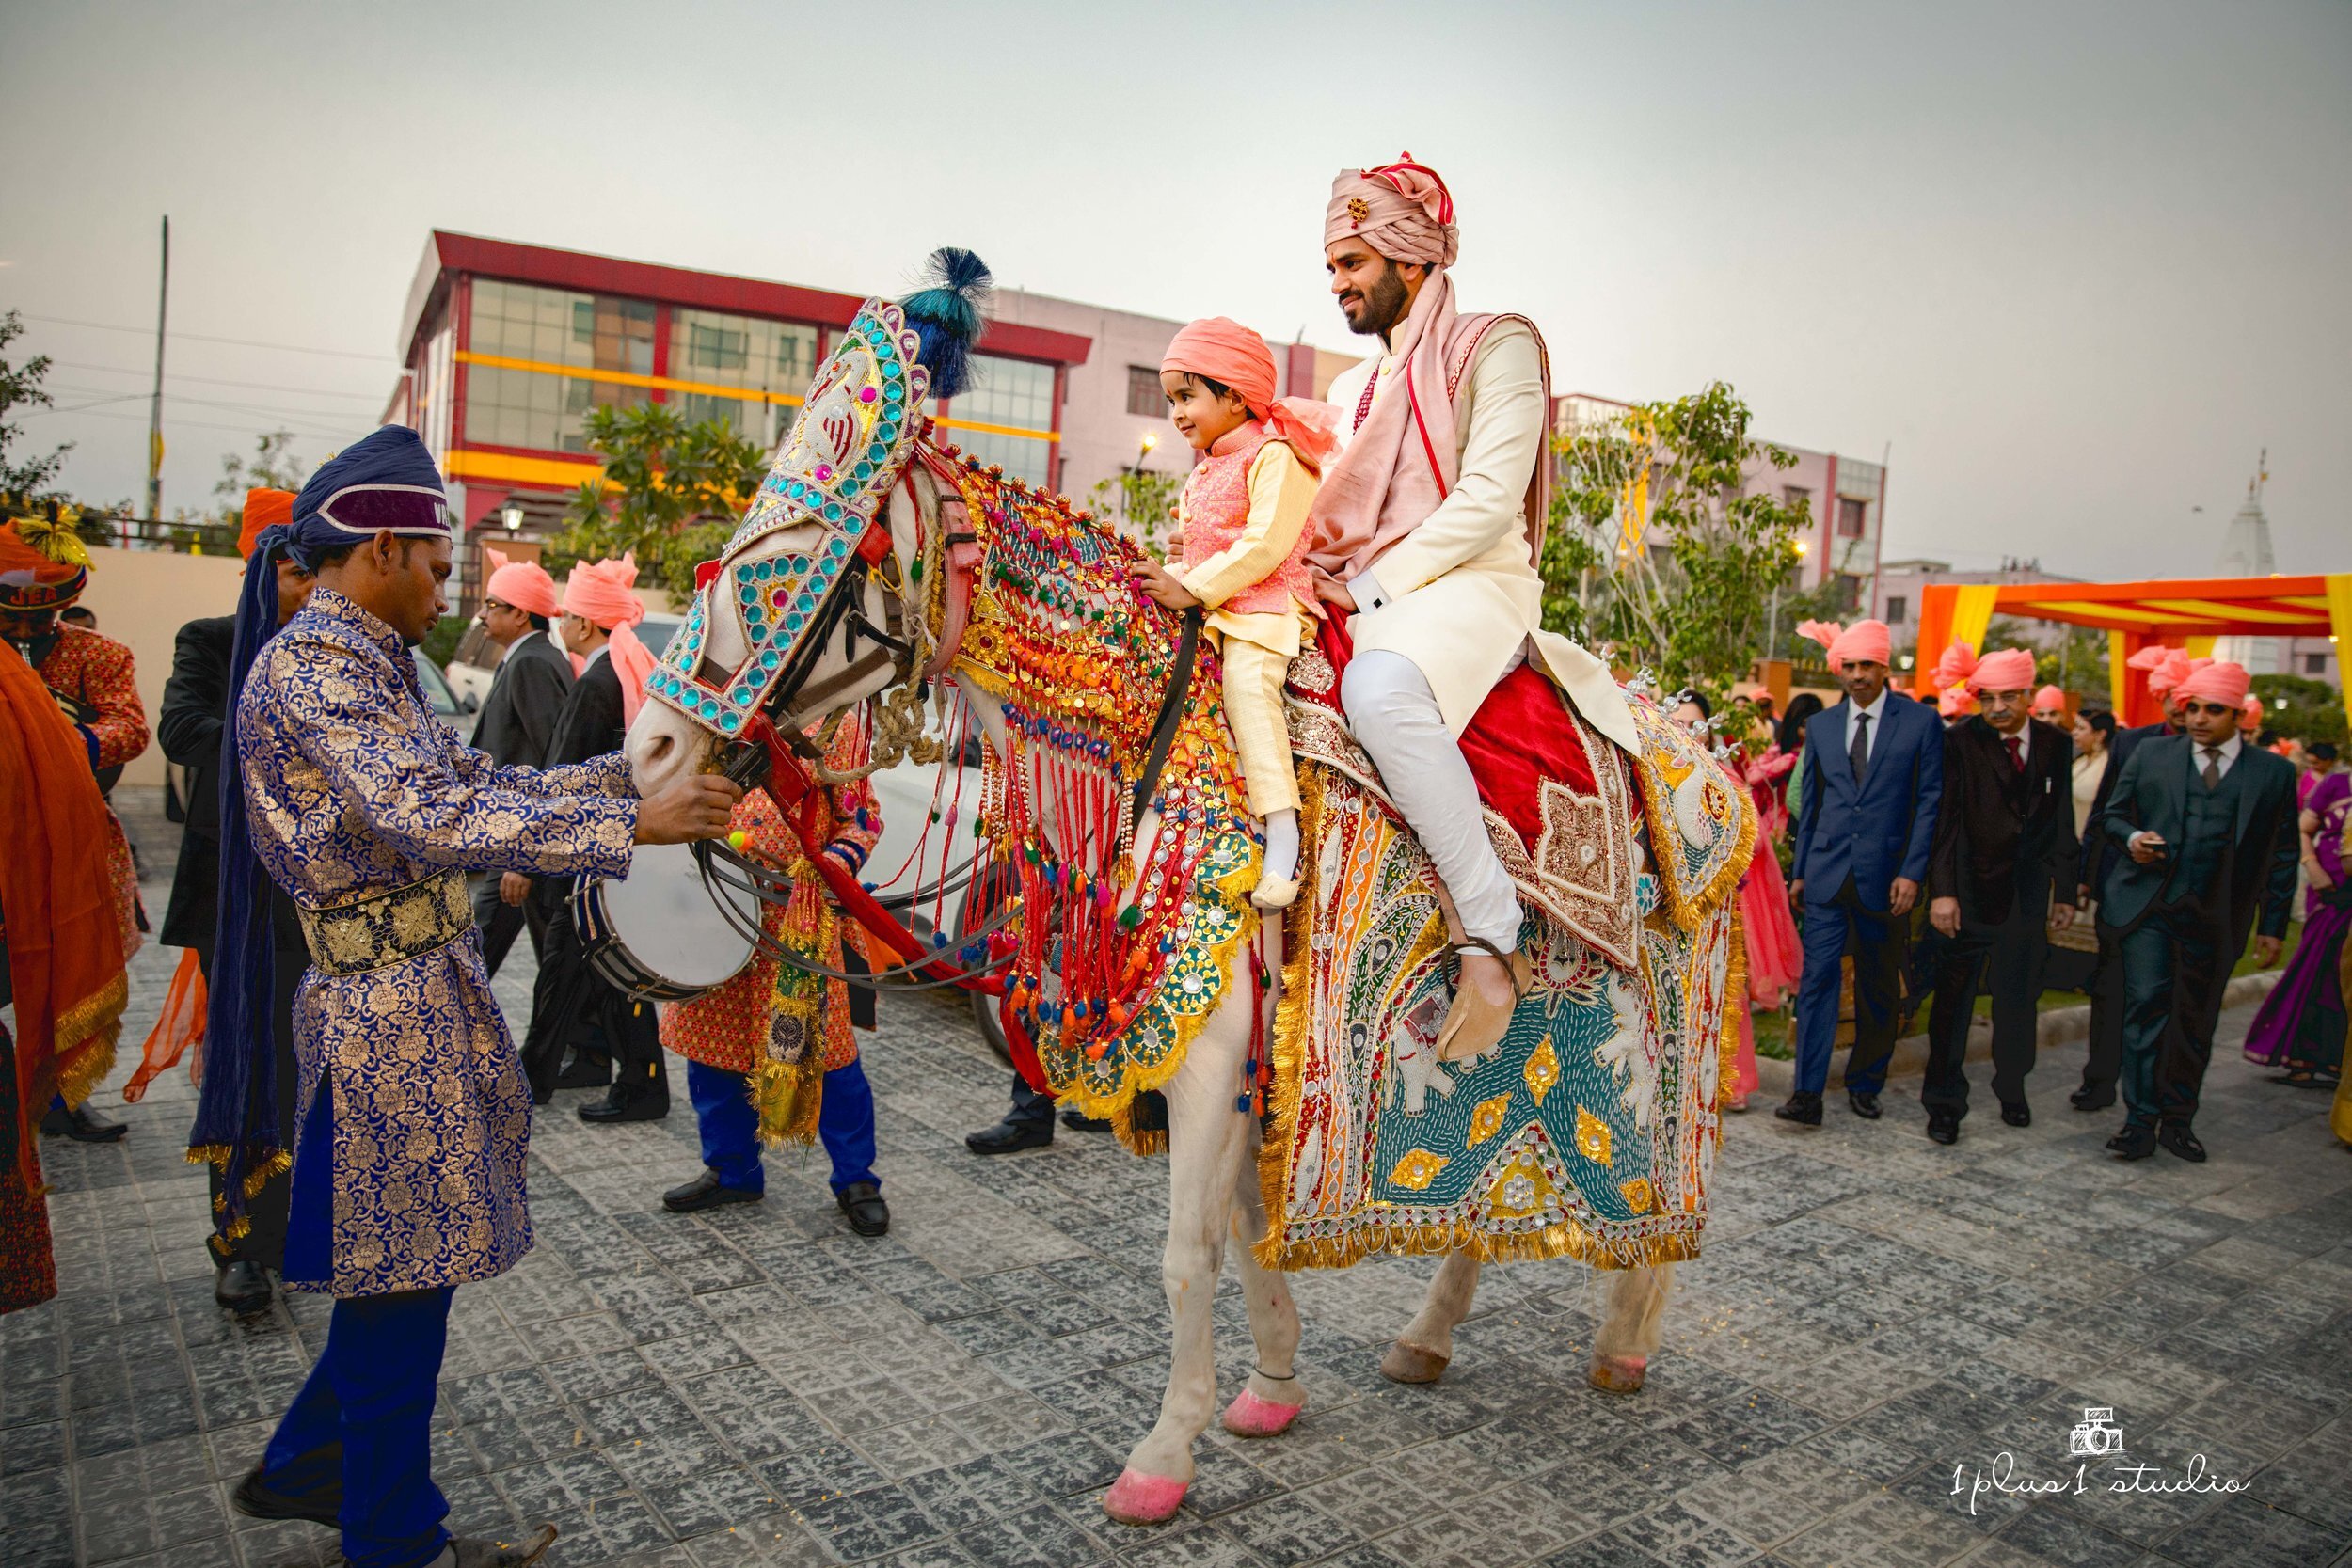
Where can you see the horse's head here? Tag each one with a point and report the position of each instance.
(805, 613)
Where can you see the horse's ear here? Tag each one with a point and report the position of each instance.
(705, 574)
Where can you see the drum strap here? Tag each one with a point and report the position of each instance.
(1171, 711)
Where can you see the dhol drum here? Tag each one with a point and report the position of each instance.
(658, 933)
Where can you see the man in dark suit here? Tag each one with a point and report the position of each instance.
(195, 710)
(2004, 838)
(598, 610)
(1873, 773)
(2207, 825)
(518, 721)
(2103, 1058)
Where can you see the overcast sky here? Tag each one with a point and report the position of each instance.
(2073, 263)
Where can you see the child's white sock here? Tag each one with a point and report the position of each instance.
(1281, 846)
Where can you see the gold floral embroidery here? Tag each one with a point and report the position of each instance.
(1543, 1071)
(1592, 1138)
(1416, 1170)
(1638, 1196)
(1486, 1120)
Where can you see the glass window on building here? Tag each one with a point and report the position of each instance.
(512, 405)
(1145, 395)
(777, 358)
(1015, 398)
(1898, 606)
(1852, 517)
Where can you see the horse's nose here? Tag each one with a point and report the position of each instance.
(656, 752)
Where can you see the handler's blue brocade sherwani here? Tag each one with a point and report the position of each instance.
(355, 790)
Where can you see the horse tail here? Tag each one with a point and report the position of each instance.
(949, 311)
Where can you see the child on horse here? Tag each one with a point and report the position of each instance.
(1244, 521)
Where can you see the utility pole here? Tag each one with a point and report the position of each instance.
(155, 407)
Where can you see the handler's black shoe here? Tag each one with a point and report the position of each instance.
(256, 1500)
(82, 1124)
(861, 1204)
(1943, 1127)
(1078, 1121)
(2083, 1099)
(1011, 1137)
(2016, 1113)
(2177, 1139)
(705, 1192)
(1802, 1108)
(1865, 1105)
(2133, 1143)
(636, 1107)
(241, 1287)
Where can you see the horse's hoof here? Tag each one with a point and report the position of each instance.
(1411, 1364)
(1250, 1417)
(1618, 1374)
(1136, 1498)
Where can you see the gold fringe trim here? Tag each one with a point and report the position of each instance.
(1567, 1239)
(85, 1036)
(1290, 1024)
(1123, 1128)
(278, 1164)
(789, 1098)
(1735, 996)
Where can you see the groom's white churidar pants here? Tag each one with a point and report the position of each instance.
(1394, 716)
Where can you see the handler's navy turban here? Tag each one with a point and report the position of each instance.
(384, 482)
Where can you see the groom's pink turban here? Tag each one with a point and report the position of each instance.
(1402, 209)
(2217, 681)
(1868, 641)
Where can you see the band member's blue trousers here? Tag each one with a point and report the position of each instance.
(730, 1128)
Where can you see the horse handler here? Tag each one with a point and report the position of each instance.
(772, 1055)
(412, 1112)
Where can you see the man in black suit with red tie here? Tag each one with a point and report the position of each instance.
(2004, 840)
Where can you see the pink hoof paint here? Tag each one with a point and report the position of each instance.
(1250, 1417)
(1135, 1499)
(1618, 1374)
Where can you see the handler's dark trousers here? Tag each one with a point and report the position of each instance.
(2176, 963)
(2005, 959)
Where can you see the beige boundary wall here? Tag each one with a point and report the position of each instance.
(143, 598)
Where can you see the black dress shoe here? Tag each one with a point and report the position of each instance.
(2134, 1143)
(585, 1072)
(1078, 1121)
(1943, 1127)
(1011, 1137)
(256, 1500)
(82, 1124)
(861, 1202)
(2083, 1099)
(2177, 1139)
(705, 1192)
(1864, 1104)
(1802, 1108)
(241, 1287)
(636, 1107)
(2016, 1113)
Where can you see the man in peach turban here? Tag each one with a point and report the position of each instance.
(2207, 827)
(2050, 706)
(1873, 779)
(600, 611)
(517, 722)
(1425, 532)
(2003, 872)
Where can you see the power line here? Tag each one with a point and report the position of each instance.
(202, 338)
(222, 381)
(321, 415)
(257, 428)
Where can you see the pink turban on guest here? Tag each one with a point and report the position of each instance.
(1229, 353)
(2049, 697)
(2250, 713)
(2215, 681)
(1954, 701)
(2010, 670)
(524, 584)
(598, 592)
(1402, 209)
(1867, 641)
(2167, 668)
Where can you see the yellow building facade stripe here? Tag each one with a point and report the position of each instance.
(504, 468)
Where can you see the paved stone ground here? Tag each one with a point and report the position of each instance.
(1874, 1316)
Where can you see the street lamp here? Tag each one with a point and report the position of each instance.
(511, 517)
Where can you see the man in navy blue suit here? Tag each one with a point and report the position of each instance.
(1873, 777)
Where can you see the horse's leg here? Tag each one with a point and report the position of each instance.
(1422, 1352)
(1628, 1336)
(1207, 1138)
(1273, 1397)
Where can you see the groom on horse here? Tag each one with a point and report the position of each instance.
(1426, 531)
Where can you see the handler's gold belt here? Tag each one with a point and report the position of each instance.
(390, 927)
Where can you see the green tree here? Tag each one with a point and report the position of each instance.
(671, 491)
(2313, 710)
(272, 467)
(21, 387)
(1658, 550)
(1143, 500)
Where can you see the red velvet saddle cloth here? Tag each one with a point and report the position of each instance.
(1562, 804)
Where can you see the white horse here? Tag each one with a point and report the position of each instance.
(1212, 1177)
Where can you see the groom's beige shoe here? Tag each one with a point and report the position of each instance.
(1475, 1025)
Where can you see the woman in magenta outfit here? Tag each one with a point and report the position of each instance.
(2302, 1024)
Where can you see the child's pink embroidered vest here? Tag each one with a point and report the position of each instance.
(1216, 509)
